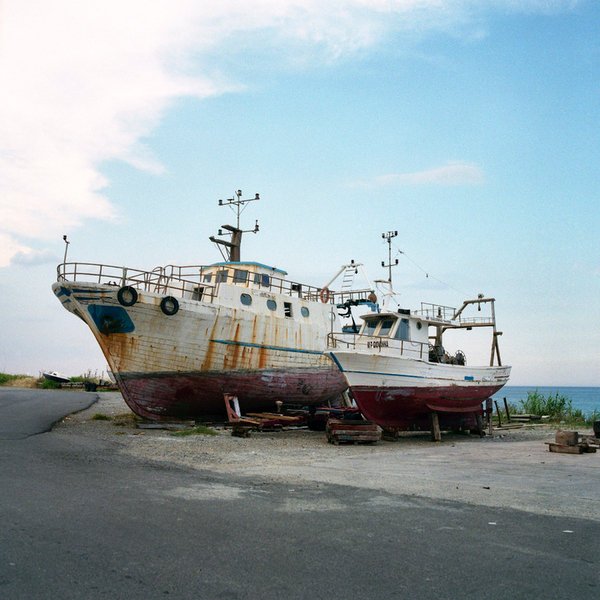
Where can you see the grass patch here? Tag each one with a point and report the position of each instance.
(198, 430)
(127, 419)
(48, 384)
(101, 417)
(558, 407)
(6, 378)
(25, 381)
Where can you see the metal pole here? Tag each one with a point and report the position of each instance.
(66, 248)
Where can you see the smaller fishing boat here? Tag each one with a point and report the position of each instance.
(400, 373)
(56, 377)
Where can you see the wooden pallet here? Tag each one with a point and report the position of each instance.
(352, 432)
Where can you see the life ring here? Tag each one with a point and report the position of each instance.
(127, 296)
(169, 305)
(324, 295)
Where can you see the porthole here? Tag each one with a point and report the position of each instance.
(419, 324)
(304, 311)
(271, 304)
(246, 299)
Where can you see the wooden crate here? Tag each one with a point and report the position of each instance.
(352, 432)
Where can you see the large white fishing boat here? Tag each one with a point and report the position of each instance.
(400, 373)
(178, 339)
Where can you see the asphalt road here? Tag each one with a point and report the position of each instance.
(79, 520)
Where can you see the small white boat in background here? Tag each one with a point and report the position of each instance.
(54, 376)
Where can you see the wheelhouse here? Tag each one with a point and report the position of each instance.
(401, 326)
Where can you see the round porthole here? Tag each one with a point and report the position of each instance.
(246, 299)
(304, 311)
(271, 304)
(419, 324)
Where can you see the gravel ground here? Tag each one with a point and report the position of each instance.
(512, 469)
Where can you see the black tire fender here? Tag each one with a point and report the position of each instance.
(127, 296)
(169, 305)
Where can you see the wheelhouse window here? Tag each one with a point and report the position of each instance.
(207, 278)
(403, 332)
(386, 327)
(222, 276)
(370, 326)
(262, 279)
(240, 276)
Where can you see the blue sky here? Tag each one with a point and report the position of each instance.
(472, 128)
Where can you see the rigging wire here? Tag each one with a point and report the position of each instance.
(427, 274)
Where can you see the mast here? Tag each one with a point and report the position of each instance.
(231, 249)
(388, 238)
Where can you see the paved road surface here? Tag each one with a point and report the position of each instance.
(25, 412)
(80, 520)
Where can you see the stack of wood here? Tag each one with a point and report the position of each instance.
(242, 426)
(352, 431)
(569, 442)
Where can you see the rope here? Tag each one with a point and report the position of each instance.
(427, 275)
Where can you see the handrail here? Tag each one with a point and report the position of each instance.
(375, 343)
(186, 280)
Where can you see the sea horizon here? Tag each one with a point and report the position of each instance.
(584, 398)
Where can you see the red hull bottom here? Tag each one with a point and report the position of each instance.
(409, 408)
(160, 396)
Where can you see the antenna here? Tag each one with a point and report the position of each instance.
(388, 238)
(232, 250)
(66, 241)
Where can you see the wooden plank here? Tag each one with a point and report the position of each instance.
(275, 416)
(552, 447)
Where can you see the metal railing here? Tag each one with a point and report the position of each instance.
(436, 312)
(190, 281)
(375, 343)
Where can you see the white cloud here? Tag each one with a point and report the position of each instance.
(84, 82)
(452, 173)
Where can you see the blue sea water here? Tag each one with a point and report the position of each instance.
(587, 399)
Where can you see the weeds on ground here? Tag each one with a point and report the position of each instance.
(558, 407)
(126, 419)
(48, 384)
(101, 417)
(198, 430)
(5, 378)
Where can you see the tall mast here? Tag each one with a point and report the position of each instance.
(388, 237)
(231, 250)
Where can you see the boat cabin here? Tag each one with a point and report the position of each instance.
(401, 326)
(245, 274)
(405, 333)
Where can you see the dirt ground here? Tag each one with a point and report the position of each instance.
(511, 469)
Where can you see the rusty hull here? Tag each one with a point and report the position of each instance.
(180, 366)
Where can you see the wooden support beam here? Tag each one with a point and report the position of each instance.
(507, 411)
(436, 434)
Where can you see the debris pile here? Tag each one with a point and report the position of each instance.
(570, 442)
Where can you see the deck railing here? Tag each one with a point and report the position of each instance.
(374, 344)
(190, 281)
